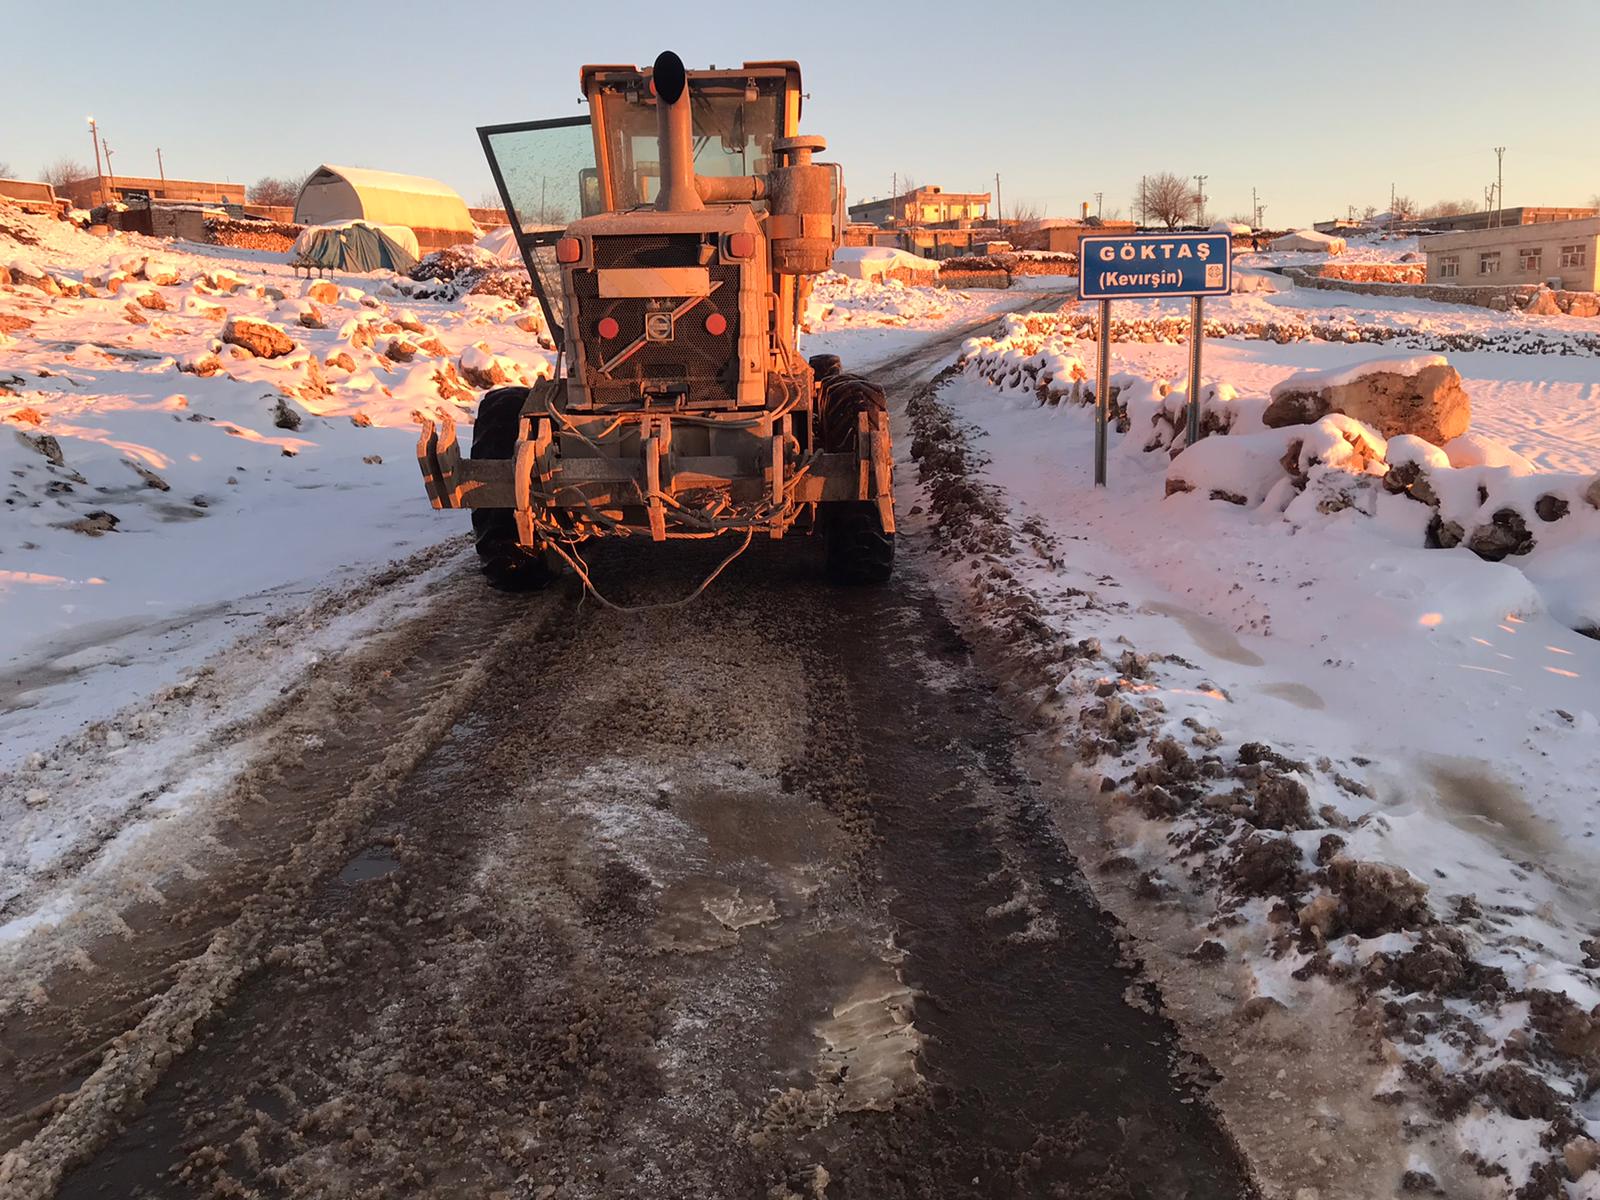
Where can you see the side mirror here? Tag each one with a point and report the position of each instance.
(839, 214)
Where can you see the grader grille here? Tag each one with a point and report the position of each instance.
(694, 362)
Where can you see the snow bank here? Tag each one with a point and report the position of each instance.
(160, 482)
(876, 262)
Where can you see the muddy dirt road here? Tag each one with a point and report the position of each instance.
(753, 898)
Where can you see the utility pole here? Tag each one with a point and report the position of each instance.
(1099, 207)
(1143, 216)
(99, 172)
(1255, 209)
(109, 171)
(1200, 199)
(1500, 184)
(162, 168)
(1000, 211)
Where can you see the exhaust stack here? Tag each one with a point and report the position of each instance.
(675, 136)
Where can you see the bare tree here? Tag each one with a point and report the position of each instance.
(5, 170)
(63, 171)
(1111, 214)
(1594, 200)
(489, 199)
(1168, 198)
(1404, 208)
(1447, 208)
(272, 190)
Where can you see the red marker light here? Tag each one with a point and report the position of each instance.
(608, 328)
(741, 245)
(717, 324)
(569, 250)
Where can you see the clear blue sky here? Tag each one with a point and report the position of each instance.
(1317, 105)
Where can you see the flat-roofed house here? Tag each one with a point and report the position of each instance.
(1561, 253)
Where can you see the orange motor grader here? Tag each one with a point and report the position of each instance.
(671, 236)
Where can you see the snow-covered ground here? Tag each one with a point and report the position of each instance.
(1420, 709)
(154, 513)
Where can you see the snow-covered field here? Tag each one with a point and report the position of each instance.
(155, 513)
(1421, 709)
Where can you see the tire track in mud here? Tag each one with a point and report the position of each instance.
(93, 1034)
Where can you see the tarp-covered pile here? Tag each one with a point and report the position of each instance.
(357, 246)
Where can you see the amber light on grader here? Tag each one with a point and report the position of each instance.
(741, 245)
(569, 250)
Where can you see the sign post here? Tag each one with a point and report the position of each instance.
(1151, 266)
(1196, 334)
(1102, 395)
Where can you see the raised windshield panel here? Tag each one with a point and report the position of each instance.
(545, 172)
(733, 136)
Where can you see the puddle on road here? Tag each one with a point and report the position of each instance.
(1211, 636)
(1297, 694)
(372, 863)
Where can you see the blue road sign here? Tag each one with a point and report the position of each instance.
(1142, 265)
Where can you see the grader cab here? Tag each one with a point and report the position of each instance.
(671, 236)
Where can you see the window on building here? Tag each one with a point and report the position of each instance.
(1489, 262)
(1530, 258)
(1575, 256)
(1449, 266)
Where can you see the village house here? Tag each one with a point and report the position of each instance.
(923, 206)
(1561, 253)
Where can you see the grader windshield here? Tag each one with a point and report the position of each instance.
(734, 128)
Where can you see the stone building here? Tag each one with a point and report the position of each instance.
(1561, 253)
(924, 206)
(89, 191)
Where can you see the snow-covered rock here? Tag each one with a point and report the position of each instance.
(1420, 396)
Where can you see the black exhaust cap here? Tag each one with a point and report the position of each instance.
(669, 76)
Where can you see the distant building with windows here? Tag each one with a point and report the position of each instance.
(923, 206)
(1561, 253)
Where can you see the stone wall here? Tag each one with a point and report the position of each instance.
(1373, 272)
(1503, 298)
(1506, 297)
(998, 278)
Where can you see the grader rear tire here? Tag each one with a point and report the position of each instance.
(508, 566)
(859, 551)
